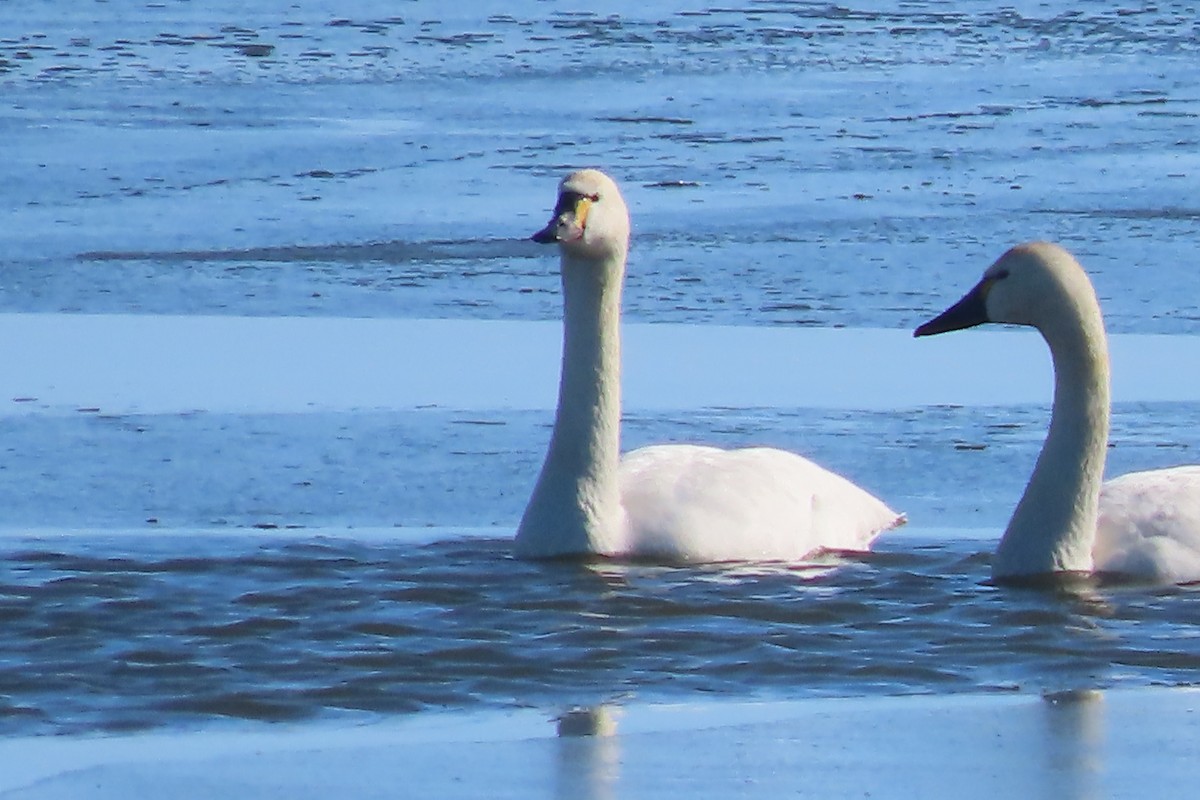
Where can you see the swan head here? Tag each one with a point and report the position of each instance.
(1037, 284)
(590, 219)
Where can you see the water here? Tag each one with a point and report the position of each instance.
(127, 633)
(787, 164)
(335, 159)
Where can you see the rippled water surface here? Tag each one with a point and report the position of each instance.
(336, 565)
(787, 163)
(130, 632)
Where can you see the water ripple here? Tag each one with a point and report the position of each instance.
(323, 41)
(297, 628)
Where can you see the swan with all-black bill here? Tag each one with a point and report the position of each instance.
(673, 503)
(1144, 525)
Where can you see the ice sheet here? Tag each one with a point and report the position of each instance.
(1072, 745)
(168, 364)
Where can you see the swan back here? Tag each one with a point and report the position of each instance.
(1149, 525)
(693, 503)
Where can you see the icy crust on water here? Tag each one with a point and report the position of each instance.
(1072, 744)
(786, 164)
(947, 468)
(483, 38)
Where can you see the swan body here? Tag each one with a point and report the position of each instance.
(1150, 525)
(1144, 524)
(674, 503)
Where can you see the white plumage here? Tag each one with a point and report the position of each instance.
(1149, 525)
(1144, 524)
(673, 503)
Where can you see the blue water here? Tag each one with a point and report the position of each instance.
(786, 164)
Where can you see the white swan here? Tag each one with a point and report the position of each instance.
(1145, 524)
(676, 503)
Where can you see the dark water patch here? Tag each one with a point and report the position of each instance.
(241, 706)
(398, 628)
(982, 111)
(673, 184)
(651, 120)
(748, 267)
(253, 50)
(395, 252)
(1169, 213)
(718, 138)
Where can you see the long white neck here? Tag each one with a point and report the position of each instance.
(1054, 525)
(576, 505)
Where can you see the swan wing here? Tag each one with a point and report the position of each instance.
(697, 503)
(1149, 525)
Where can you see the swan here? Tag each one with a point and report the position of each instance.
(1144, 525)
(671, 503)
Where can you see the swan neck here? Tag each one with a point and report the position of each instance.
(575, 507)
(589, 393)
(1054, 525)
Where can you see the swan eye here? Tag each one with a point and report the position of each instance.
(573, 202)
(991, 279)
(575, 206)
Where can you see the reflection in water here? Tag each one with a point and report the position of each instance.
(1074, 744)
(588, 754)
(595, 721)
